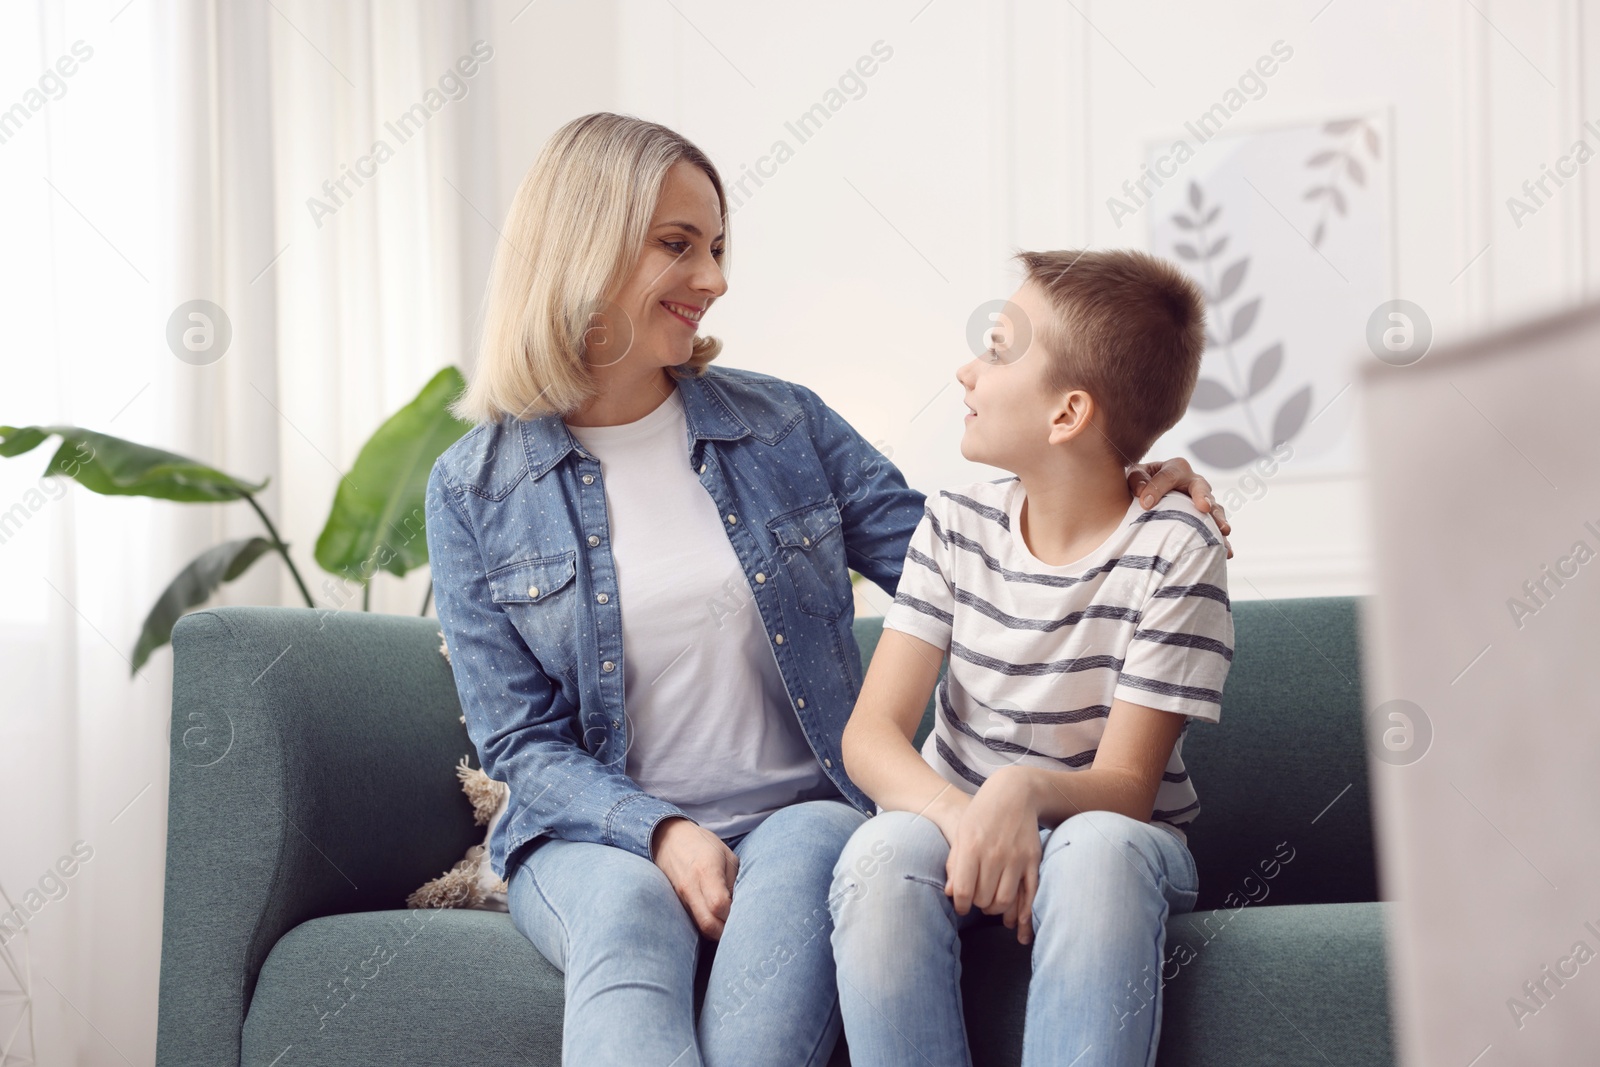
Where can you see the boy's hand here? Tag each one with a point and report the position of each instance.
(994, 859)
(1151, 481)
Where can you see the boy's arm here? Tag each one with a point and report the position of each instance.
(878, 753)
(1174, 667)
(917, 631)
(1125, 775)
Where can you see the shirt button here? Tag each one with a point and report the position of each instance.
(779, 639)
(702, 468)
(588, 479)
(827, 763)
(760, 578)
(732, 519)
(617, 723)
(533, 591)
(608, 667)
(593, 540)
(603, 598)
(805, 540)
(800, 703)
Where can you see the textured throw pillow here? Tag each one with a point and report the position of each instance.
(471, 883)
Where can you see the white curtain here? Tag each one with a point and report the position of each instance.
(174, 162)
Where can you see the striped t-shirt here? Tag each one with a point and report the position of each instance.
(1039, 651)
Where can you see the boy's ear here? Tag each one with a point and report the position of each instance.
(1071, 416)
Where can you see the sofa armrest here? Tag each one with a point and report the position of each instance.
(312, 774)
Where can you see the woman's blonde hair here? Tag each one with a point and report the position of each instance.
(576, 227)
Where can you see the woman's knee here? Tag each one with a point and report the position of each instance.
(831, 821)
(799, 844)
(611, 892)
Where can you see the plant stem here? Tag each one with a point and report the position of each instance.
(282, 549)
(427, 598)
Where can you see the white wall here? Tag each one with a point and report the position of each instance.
(1007, 124)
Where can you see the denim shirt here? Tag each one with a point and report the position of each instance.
(526, 591)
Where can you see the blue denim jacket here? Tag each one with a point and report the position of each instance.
(526, 591)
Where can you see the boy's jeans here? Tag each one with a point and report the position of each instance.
(611, 922)
(1106, 886)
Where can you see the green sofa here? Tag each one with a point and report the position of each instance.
(313, 787)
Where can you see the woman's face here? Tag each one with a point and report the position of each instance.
(677, 276)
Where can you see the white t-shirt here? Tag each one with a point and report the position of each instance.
(1039, 651)
(710, 728)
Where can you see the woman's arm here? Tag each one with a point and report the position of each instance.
(525, 730)
(878, 508)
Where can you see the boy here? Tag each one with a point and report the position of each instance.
(1083, 633)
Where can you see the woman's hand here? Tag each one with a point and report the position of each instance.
(701, 869)
(1151, 481)
(994, 860)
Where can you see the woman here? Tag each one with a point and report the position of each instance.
(641, 566)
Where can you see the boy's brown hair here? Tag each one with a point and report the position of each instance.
(1129, 329)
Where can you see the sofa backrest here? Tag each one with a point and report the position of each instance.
(1282, 779)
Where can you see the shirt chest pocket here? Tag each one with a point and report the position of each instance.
(540, 596)
(810, 544)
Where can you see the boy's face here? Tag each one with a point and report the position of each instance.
(1009, 419)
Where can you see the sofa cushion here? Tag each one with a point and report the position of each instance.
(428, 986)
(1284, 986)
(1279, 985)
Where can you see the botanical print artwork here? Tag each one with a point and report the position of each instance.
(1340, 162)
(1231, 331)
(1286, 231)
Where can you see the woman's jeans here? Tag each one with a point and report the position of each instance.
(612, 923)
(1106, 886)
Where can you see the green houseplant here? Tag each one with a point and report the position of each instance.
(376, 522)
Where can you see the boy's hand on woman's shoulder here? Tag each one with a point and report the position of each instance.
(994, 857)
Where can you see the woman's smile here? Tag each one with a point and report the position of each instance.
(686, 313)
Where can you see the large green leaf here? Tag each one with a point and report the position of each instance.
(115, 467)
(193, 586)
(377, 520)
